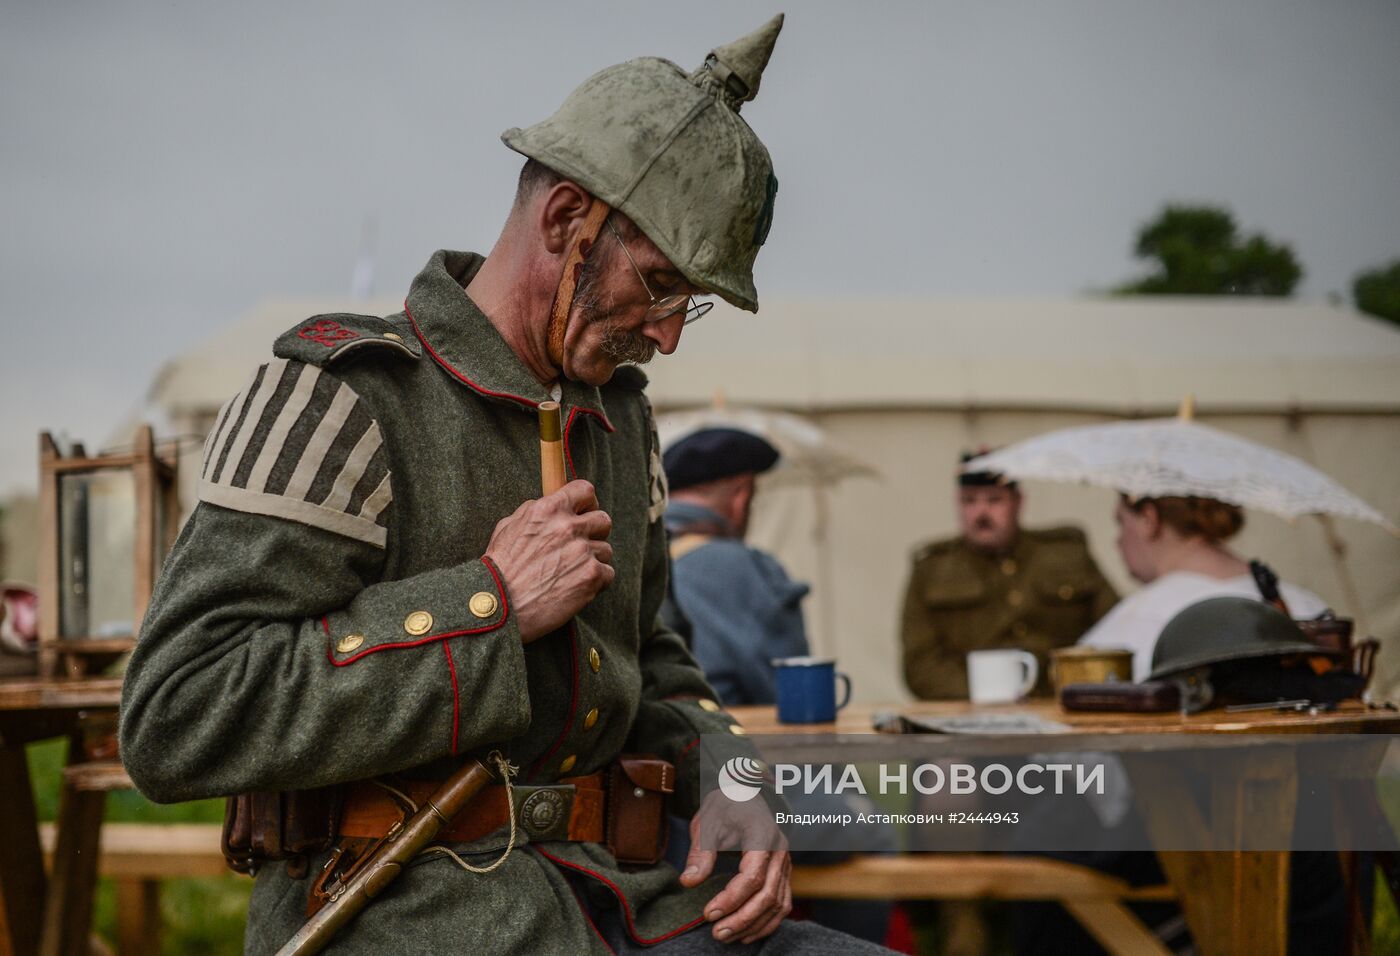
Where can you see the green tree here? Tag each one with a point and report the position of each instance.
(1377, 291)
(1198, 250)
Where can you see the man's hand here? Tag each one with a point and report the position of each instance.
(759, 896)
(554, 555)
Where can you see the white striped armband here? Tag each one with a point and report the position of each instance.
(298, 444)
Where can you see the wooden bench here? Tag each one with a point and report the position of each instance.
(1095, 899)
(138, 856)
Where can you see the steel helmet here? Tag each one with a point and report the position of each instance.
(1223, 629)
(670, 151)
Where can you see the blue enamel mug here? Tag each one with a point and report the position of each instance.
(807, 690)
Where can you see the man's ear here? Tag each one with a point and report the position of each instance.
(744, 494)
(747, 487)
(561, 214)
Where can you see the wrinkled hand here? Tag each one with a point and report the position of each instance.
(554, 556)
(755, 901)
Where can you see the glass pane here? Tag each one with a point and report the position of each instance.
(97, 541)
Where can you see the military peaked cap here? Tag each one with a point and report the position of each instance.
(981, 479)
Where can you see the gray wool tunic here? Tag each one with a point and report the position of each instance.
(325, 617)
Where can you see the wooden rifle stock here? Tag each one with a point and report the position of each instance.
(389, 860)
(420, 829)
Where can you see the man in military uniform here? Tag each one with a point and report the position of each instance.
(743, 608)
(996, 585)
(372, 588)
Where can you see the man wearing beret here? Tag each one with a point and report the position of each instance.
(743, 609)
(996, 585)
(372, 588)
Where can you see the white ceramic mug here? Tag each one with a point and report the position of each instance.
(1000, 676)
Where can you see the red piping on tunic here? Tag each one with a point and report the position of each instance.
(587, 916)
(607, 425)
(456, 697)
(486, 391)
(505, 614)
(626, 909)
(568, 450)
(445, 364)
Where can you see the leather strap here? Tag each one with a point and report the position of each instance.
(649, 773)
(370, 810)
(568, 281)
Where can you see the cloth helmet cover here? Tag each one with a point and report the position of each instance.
(670, 151)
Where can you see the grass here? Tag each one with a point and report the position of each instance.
(1386, 924)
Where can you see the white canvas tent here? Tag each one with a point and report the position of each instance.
(907, 384)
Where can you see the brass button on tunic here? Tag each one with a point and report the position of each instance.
(483, 604)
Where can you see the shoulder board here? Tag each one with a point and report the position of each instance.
(323, 339)
(932, 548)
(629, 376)
(1065, 533)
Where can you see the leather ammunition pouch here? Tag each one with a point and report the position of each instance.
(284, 825)
(638, 786)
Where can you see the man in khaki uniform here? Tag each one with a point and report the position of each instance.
(996, 585)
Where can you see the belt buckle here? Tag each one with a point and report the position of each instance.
(543, 812)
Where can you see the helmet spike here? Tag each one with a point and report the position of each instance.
(732, 72)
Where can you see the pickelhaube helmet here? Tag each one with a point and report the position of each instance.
(670, 151)
(1223, 629)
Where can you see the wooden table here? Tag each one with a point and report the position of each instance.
(1235, 902)
(39, 915)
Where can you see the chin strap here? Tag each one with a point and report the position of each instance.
(568, 282)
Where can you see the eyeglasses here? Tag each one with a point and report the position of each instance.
(667, 306)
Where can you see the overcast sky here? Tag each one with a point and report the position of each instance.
(165, 166)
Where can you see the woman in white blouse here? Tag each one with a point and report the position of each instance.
(1176, 547)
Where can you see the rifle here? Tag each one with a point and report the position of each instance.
(407, 840)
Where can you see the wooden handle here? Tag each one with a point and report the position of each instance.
(553, 474)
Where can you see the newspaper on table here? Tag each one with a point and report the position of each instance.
(1000, 723)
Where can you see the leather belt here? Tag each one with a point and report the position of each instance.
(569, 810)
